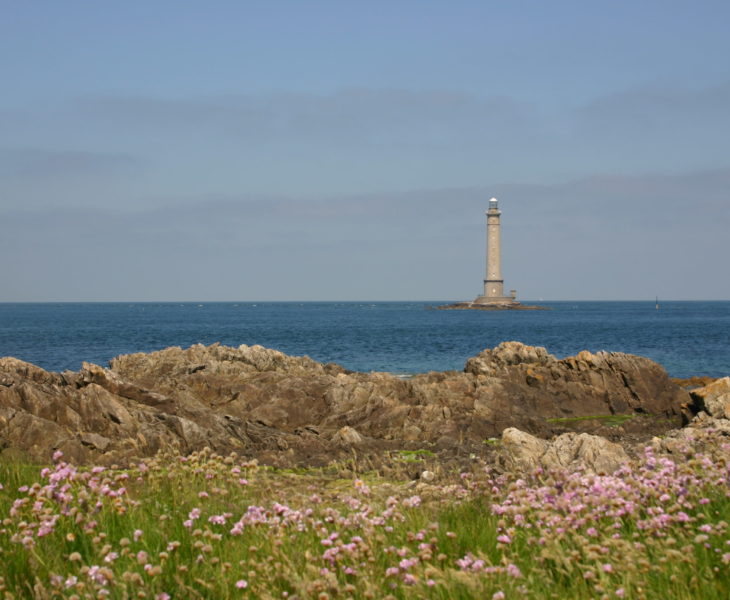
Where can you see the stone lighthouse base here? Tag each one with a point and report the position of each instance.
(486, 303)
(495, 300)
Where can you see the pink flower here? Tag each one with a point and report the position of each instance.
(607, 568)
(498, 595)
(242, 584)
(504, 539)
(137, 534)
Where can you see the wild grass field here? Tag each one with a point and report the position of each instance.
(210, 526)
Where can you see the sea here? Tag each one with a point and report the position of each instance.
(686, 338)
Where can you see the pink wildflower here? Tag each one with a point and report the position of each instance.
(498, 595)
(412, 502)
(504, 539)
(514, 571)
(242, 584)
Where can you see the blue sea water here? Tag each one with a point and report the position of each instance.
(687, 338)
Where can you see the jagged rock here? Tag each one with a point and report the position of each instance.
(700, 430)
(347, 436)
(521, 451)
(94, 440)
(599, 384)
(714, 398)
(262, 402)
(594, 452)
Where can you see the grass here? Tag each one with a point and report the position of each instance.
(210, 526)
(410, 456)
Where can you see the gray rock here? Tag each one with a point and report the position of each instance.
(520, 451)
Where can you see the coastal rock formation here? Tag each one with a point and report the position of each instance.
(522, 452)
(585, 384)
(294, 410)
(712, 421)
(714, 398)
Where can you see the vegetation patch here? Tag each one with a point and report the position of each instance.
(413, 455)
(211, 526)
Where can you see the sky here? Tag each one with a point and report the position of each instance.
(284, 150)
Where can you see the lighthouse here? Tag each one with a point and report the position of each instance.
(493, 282)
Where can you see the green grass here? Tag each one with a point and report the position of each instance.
(139, 545)
(413, 455)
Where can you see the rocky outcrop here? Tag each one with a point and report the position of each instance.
(714, 399)
(293, 410)
(522, 452)
(712, 422)
(598, 384)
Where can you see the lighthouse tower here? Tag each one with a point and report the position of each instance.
(493, 282)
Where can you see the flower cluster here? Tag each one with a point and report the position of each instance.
(206, 525)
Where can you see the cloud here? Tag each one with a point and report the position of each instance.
(658, 103)
(608, 237)
(27, 163)
(358, 141)
(347, 118)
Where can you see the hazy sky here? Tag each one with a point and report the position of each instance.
(291, 150)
